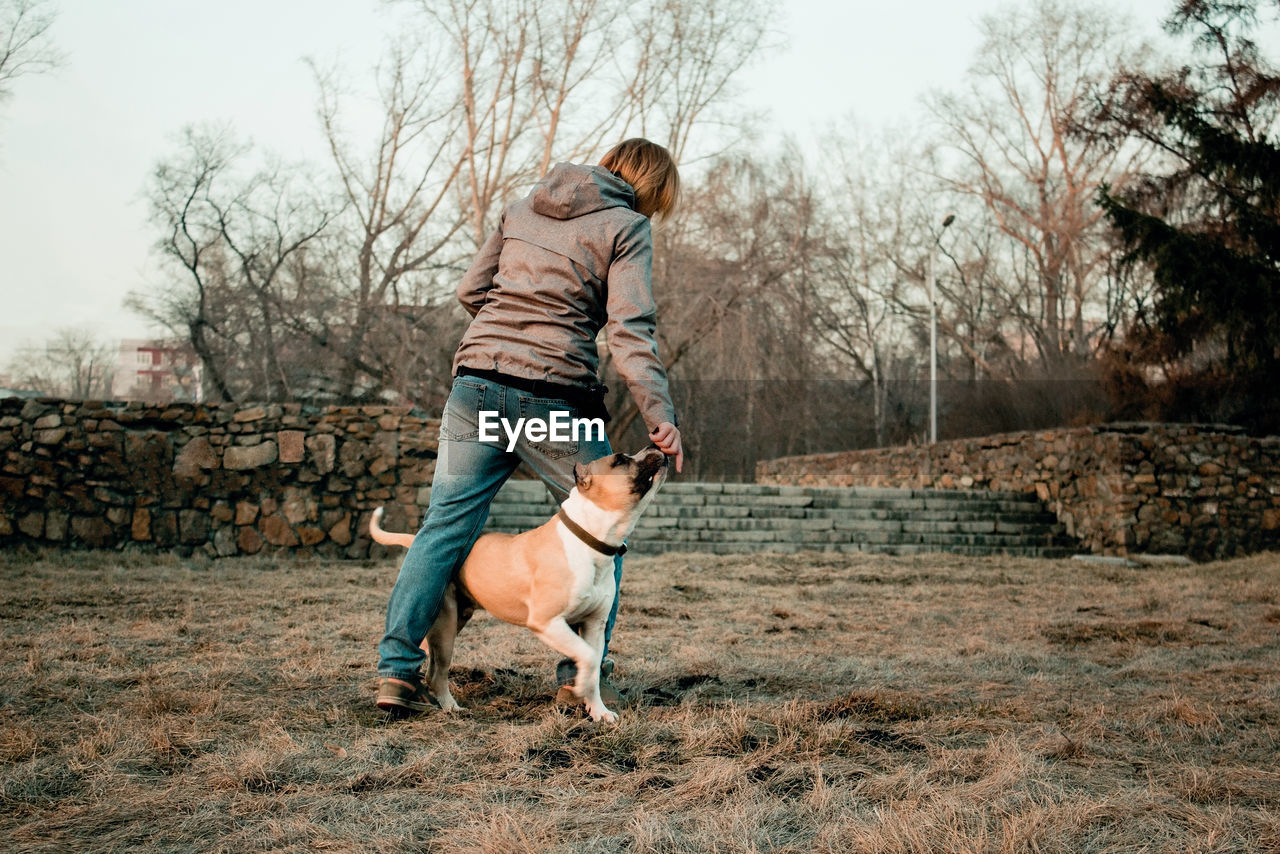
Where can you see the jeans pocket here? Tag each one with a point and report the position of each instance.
(461, 419)
(558, 418)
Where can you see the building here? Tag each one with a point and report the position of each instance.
(156, 370)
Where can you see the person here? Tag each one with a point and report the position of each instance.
(571, 258)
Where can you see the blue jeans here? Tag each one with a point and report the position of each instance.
(468, 474)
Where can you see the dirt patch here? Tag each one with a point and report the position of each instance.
(1145, 632)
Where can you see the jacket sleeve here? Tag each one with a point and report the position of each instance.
(478, 280)
(632, 322)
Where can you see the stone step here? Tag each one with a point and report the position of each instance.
(1024, 516)
(929, 504)
(880, 536)
(1047, 552)
(727, 518)
(536, 490)
(523, 521)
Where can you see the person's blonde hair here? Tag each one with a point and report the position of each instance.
(651, 172)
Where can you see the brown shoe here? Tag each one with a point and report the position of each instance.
(397, 696)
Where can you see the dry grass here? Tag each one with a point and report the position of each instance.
(799, 703)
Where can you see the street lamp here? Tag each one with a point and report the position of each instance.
(933, 335)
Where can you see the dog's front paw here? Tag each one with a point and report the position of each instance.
(448, 704)
(601, 714)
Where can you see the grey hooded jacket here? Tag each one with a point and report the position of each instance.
(567, 260)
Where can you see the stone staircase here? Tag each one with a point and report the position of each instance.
(733, 518)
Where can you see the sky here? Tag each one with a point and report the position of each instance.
(77, 144)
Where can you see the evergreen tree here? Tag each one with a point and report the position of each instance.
(1207, 223)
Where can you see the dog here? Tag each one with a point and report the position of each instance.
(553, 579)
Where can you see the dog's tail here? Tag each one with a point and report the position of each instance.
(386, 538)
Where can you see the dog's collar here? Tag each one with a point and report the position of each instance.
(581, 533)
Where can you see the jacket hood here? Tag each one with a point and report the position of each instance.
(570, 190)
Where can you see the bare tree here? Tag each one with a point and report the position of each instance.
(476, 109)
(475, 102)
(687, 55)
(399, 219)
(868, 298)
(177, 193)
(25, 47)
(1038, 74)
(723, 273)
(524, 67)
(239, 241)
(545, 79)
(72, 364)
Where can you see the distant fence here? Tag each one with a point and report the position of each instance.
(225, 480)
(1201, 490)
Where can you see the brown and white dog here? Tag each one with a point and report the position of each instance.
(553, 579)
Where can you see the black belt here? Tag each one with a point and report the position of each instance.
(589, 400)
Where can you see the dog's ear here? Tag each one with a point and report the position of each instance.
(581, 476)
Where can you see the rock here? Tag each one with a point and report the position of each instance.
(256, 413)
(292, 447)
(196, 455)
(1270, 519)
(351, 458)
(249, 541)
(424, 472)
(141, 527)
(147, 452)
(1149, 513)
(193, 527)
(224, 541)
(246, 513)
(322, 448)
(55, 526)
(33, 409)
(91, 531)
(340, 531)
(249, 457)
(310, 534)
(32, 524)
(47, 421)
(222, 511)
(277, 531)
(164, 528)
(1209, 470)
(49, 437)
(298, 506)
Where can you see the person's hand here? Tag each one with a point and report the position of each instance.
(667, 437)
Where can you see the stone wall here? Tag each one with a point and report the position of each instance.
(1201, 490)
(226, 480)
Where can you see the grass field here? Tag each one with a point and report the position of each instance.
(799, 703)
